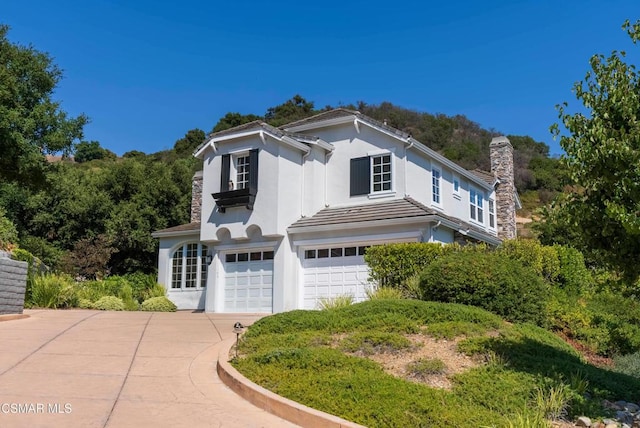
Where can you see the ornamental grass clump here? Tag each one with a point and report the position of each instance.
(158, 304)
(53, 291)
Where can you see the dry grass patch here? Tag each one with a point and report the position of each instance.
(399, 363)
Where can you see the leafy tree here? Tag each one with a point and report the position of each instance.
(187, 144)
(231, 120)
(134, 154)
(8, 232)
(31, 123)
(603, 159)
(90, 257)
(91, 150)
(294, 109)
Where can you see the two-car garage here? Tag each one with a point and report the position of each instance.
(326, 272)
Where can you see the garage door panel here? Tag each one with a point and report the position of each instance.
(248, 285)
(334, 276)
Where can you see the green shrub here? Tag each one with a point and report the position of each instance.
(542, 259)
(126, 294)
(425, 367)
(144, 286)
(53, 291)
(85, 304)
(32, 270)
(573, 275)
(158, 304)
(392, 264)
(487, 280)
(94, 290)
(109, 303)
(628, 364)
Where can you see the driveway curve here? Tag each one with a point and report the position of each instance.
(81, 368)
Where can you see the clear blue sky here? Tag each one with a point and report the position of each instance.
(146, 72)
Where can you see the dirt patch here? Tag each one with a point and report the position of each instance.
(397, 363)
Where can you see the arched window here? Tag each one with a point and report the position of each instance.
(189, 266)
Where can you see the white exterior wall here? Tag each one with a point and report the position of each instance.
(183, 298)
(278, 201)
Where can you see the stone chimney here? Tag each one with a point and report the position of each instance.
(501, 153)
(196, 197)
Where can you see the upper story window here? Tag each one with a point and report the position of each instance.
(381, 173)
(372, 175)
(435, 186)
(242, 168)
(492, 214)
(189, 266)
(242, 171)
(456, 186)
(239, 171)
(476, 205)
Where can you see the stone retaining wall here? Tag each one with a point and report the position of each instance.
(13, 282)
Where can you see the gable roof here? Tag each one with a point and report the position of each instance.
(396, 211)
(258, 127)
(342, 115)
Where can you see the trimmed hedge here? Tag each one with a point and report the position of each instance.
(392, 265)
(487, 280)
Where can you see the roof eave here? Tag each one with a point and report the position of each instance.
(262, 132)
(170, 234)
(321, 123)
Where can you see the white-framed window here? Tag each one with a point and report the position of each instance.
(435, 186)
(381, 173)
(456, 186)
(372, 174)
(242, 171)
(189, 266)
(492, 214)
(476, 205)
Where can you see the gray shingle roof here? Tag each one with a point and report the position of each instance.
(485, 176)
(189, 227)
(343, 112)
(405, 208)
(257, 125)
(387, 210)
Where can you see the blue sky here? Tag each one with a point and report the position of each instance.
(146, 72)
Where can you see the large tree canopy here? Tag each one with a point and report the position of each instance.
(603, 161)
(31, 123)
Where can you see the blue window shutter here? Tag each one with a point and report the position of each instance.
(253, 171)
(360, 176)
(224, 176)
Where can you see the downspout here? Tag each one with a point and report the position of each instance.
(302, 162)
(406, 149)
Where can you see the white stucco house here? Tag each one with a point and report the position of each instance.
(283, 216)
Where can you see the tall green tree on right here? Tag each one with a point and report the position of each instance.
(602, 212)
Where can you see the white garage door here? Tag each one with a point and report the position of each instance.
(334, 271)
(248, 281)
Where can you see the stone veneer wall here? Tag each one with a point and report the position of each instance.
(196, 197)
(13, 283)
(501, 153)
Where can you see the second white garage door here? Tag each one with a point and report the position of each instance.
(248, 281)
(334, 271)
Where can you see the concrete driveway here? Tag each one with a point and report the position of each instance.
(81, 368)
